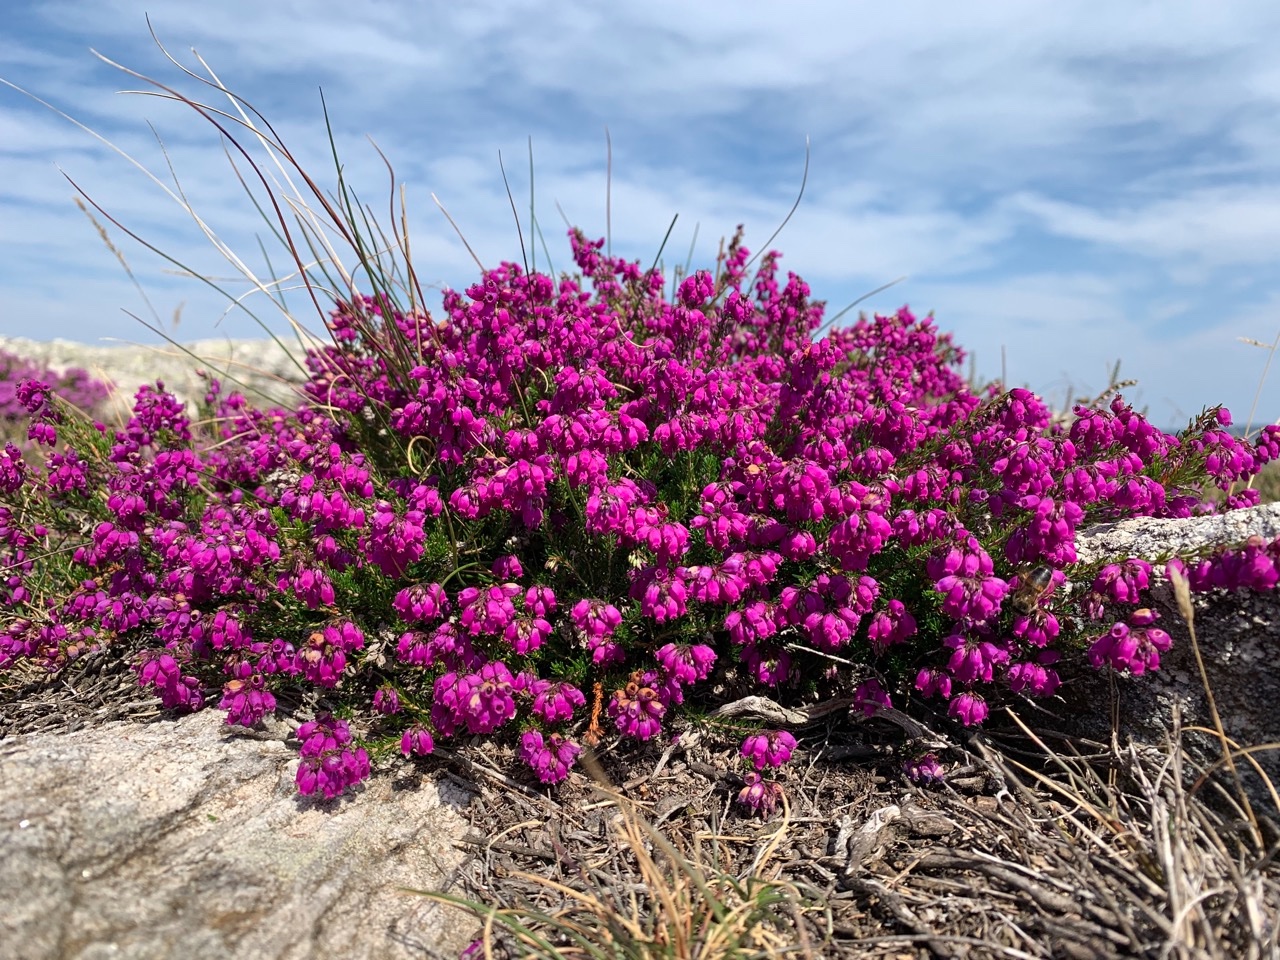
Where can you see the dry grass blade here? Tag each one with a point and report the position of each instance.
(662, 900)
(1087, 851)
(1182, 594)
(1171, 863)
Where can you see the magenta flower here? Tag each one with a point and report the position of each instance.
(447, 712)
(891, 626)
(421, 603)
(550, 759)
(386, 700)
(1252, 567)
(246, 698)
(487, 702)
(33, 394)
(1135, 648)
(974, 657)
(414, 649)
(595, 618)
(329, 764)
(540, 601)
(67, 474)
(488, 611)
(697, 289)
(755, 622)
(931, 526)
(13, 469)
(394, 541)
(508, 568)
(451, 648)
(800, 489)
(686, 663)
(759, 795)
(553, 702)
(754, 567)
(668, 541)
(1143, 617)
(312, 587)
(281, 657)
(605, 652)
(972, 592)
(176, 691)
(527, 634)
(323, 658)
(637, 710)
(770, 665)
(1040, 629)
(722, 520)
(870, 696)
(771, 748)
(1123, 583)
(858, 537)
(798, 545)
(1118, 647)
(662, 593)
(1034, 678)
(609, 507)
(969, 708)
(1048, 535)
(43, 433)
(416, 740)
(716, 585)
(925, 770)
(829, 611)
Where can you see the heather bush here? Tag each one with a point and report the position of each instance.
(577, 507)
(551, 514)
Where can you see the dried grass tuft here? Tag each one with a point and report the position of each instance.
(660, 897)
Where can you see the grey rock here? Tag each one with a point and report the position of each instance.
(183, 839)
(1153, 539)
(1238, 635)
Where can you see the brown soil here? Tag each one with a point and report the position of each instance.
(1044, 845)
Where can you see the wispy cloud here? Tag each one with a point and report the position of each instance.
(1231, 225)
(1071, 183)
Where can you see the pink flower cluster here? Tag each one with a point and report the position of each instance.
(550, 758)
(329, 763)
(769, 749)
(560, 505)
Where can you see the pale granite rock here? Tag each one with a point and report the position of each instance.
(268, 371)
(183, 839)
(1238, 635)
(1154, 539)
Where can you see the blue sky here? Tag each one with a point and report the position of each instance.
(1064, 185)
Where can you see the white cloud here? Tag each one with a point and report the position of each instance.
(1077, 182)
(1236, 225)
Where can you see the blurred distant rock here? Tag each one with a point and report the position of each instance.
(263, 366)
